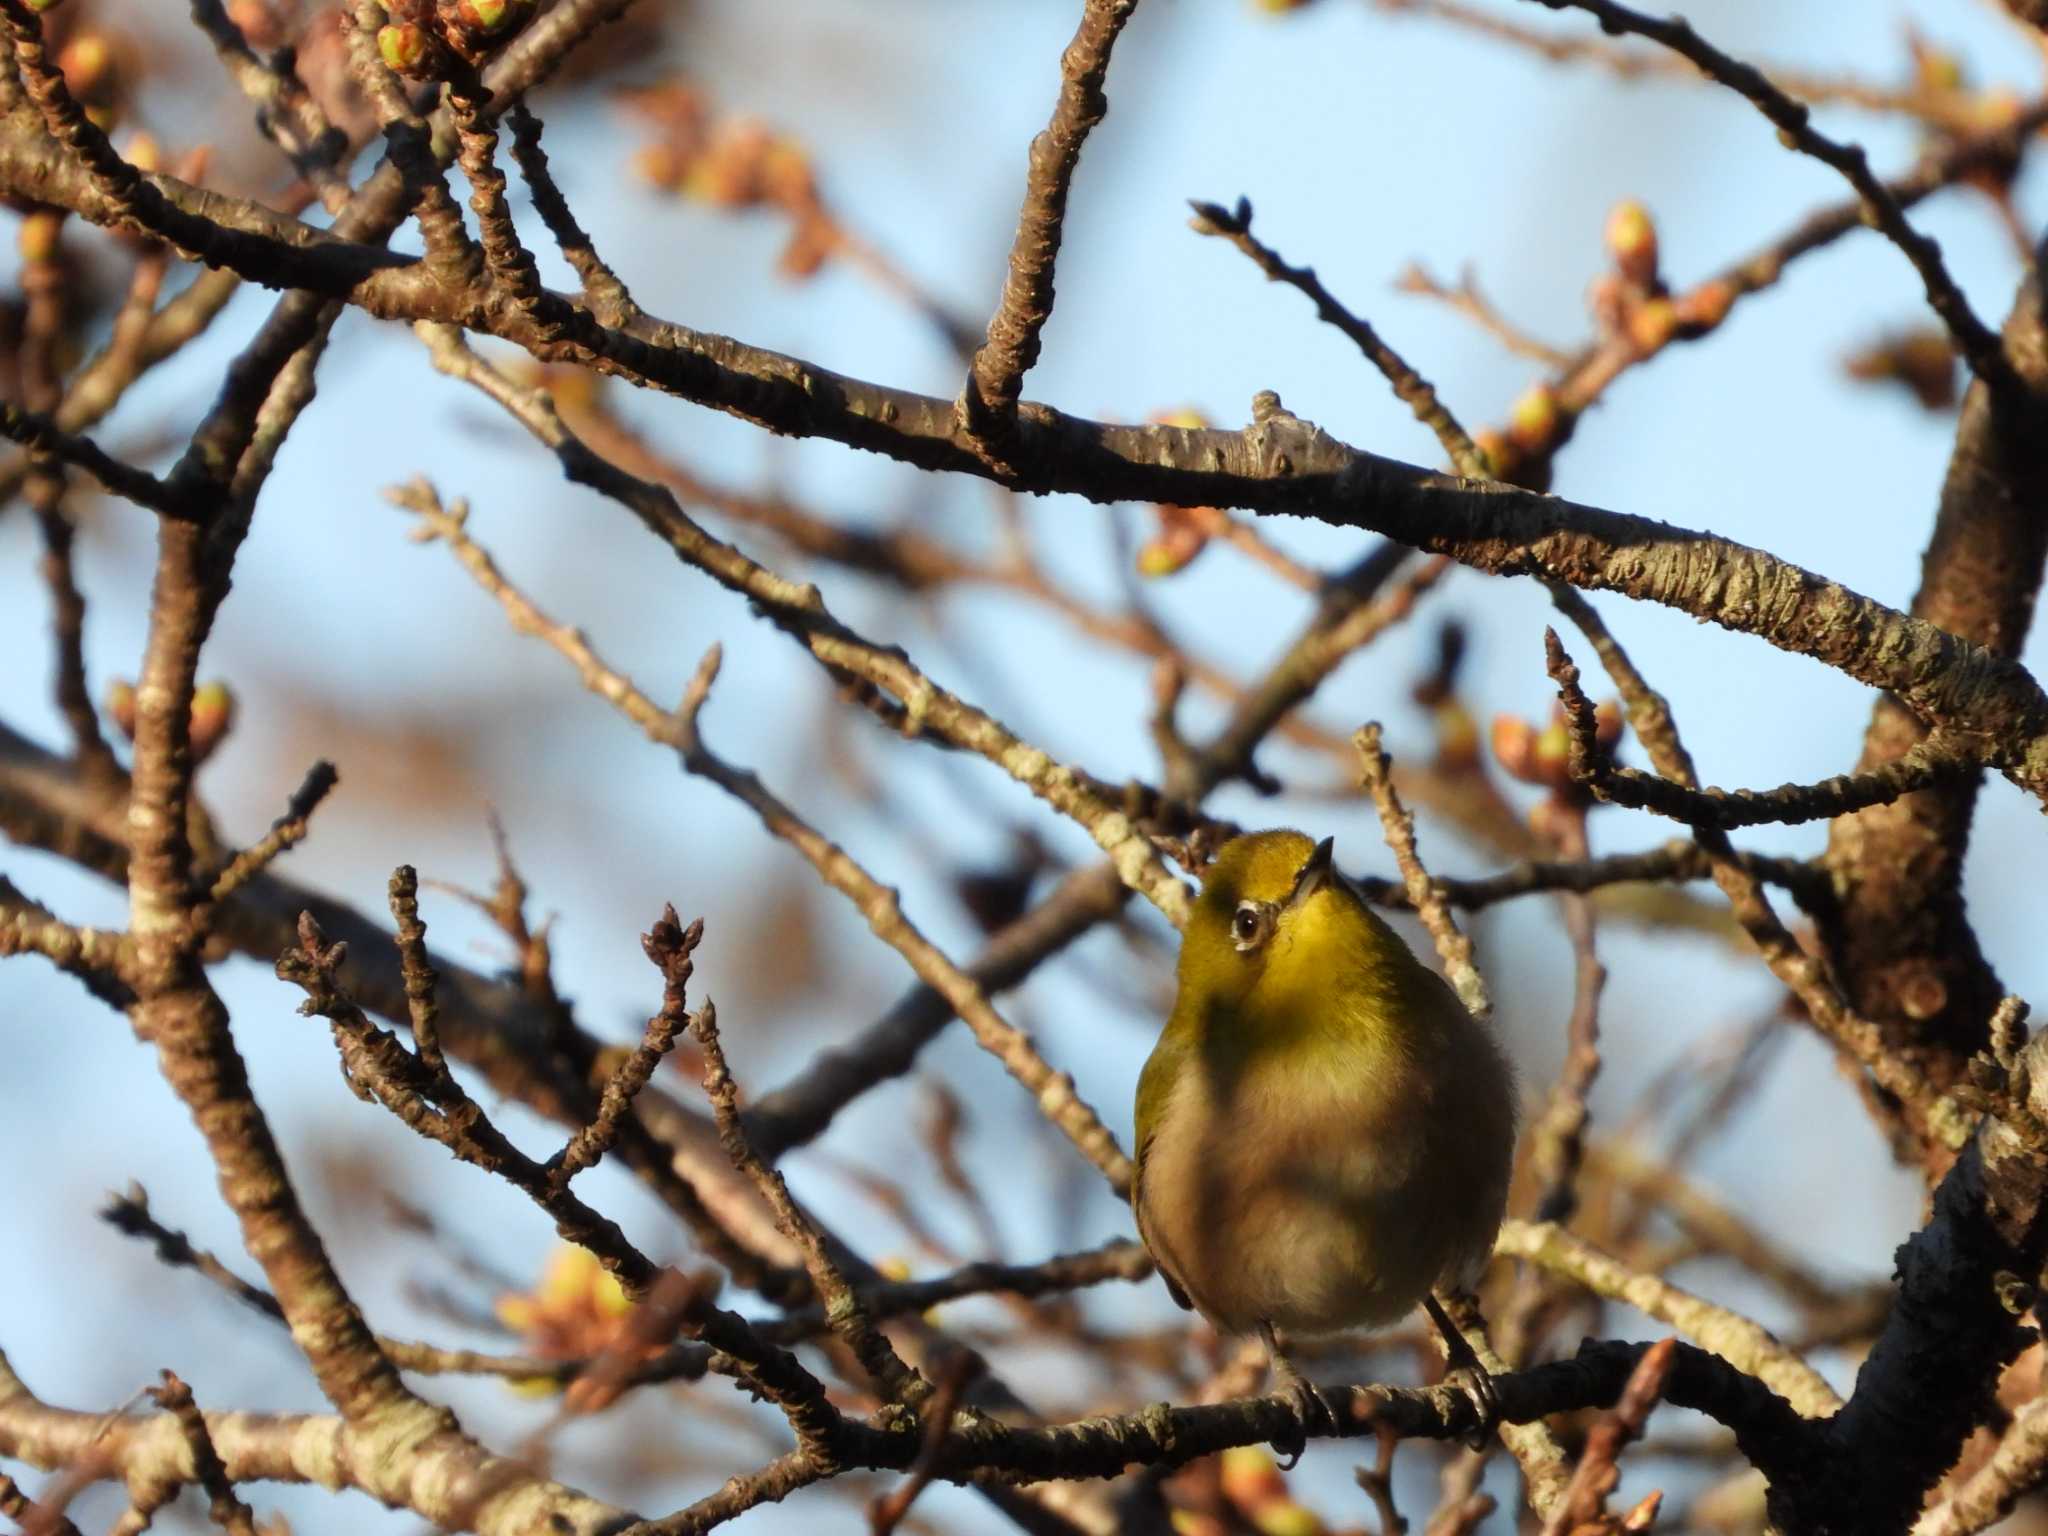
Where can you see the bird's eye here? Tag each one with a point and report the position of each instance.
(1248, 925)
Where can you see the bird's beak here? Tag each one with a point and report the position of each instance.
(1317, 873)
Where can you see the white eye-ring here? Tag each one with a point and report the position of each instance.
(1250, 924)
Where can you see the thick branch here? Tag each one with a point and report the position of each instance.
(1905, 946)
(1278, 464)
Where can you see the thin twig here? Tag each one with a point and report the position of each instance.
(34, 1519)
(421, 980)
(995, 378)
(1235, 225)
(1467, 300)
(1054, 1091)
(1424, 894)
(627, 1079)
(228, 1511)
(886, 1512)
(129, 1214)
(1979, 344)
(1650, 717)
(1595, 1476)
(1927, 763)
(601, 285)
(843, 1307)
(286, 833)
(41, 435)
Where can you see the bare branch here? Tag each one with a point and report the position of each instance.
(228, 1511)
(1742, 1343)
(1424, 895)
(286, 833)
(1926, 764)
(1801, 972)
(899, 1382)
(1978, 343)
(1235, 225)
(988, 401)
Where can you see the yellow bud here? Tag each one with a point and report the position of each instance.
(1652, 324)
(660, 165)
(121, 706)
(1181, 537)
(86, 61)
(1937, 68)
(487, 16)
(144, 153)
(1250, 1477)
(405, 49)
(1632, 242)
(40, 235)
(1501, 455)
(568, 1276)
(213, 715)
(1534, 419)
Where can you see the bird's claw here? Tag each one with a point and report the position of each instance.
(1477, 1386)
(1313, 1413)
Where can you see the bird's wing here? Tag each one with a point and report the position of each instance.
(1155, 1087)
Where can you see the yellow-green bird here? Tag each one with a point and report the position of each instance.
(1324, 1132)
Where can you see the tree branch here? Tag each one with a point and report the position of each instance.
(988, 402)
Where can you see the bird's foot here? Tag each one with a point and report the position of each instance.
(1467, 1374)
(1314, 1412)
(1477, 1385)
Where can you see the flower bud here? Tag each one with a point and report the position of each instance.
(1632, 242)
(1652, 324)
(120, 706)
(87, 62)
(1705, 306)
(1551, 755)
(1250, 1477)
(213, 715)
(1502, 457)
(144, 153)
(488, 17)
(41, 233)
(1514, 747)
(1181, 537)
(1607, 724)
(1535, 419)
(407, 50)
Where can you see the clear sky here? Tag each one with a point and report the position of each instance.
(1366, 141)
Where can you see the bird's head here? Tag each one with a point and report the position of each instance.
(1274, 913)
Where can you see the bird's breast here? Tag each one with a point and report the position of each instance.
(1317, 1201)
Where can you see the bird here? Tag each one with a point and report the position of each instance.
(1324, 1131)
